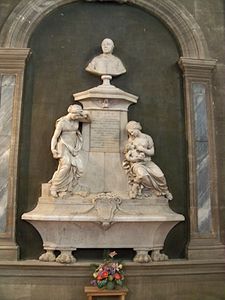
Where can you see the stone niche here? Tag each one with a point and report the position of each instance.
(152, 74)
(121, 198)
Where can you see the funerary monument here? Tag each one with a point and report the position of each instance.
(106, 192)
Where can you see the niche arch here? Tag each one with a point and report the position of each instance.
(27, 14)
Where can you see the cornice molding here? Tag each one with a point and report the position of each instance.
(82, 269)
(200, 68)
(13, 58)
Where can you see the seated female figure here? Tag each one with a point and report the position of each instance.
(142, 171)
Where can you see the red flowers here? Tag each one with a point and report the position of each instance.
(105, 274)
(109, 274)
(117, 276)
(99, 277)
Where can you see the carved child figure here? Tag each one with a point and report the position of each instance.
(134, 155)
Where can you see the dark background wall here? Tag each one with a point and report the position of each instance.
(62, 45)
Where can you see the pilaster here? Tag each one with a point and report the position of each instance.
(12, 64)
(204, 226)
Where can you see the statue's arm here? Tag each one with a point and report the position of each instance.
(56, 135)
(149, 150)
(84, 117)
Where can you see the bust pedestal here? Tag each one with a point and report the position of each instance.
(104, 137)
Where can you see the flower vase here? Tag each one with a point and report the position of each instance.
(110, 285)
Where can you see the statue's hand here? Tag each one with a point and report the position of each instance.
(85, 115)
(140, 148)
(130, 147)
(142, 155)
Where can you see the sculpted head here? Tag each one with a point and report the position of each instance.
(74, 111)
(133, 128)
(107, 46)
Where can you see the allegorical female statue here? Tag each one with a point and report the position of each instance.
(106, 63)
(142, 172)
(66, 144)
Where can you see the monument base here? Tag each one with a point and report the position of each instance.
(102, 221)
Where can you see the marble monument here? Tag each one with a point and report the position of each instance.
(106, 187)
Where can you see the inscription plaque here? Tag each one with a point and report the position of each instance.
(105, 131)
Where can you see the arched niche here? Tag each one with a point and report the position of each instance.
(197, 68)
(56, 69)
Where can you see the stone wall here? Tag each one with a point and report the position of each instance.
(178, 279)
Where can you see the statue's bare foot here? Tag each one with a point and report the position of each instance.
(132, 195)
(54, 194)
(133, 191)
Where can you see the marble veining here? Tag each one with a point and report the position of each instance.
(0, 88)
(3, 203)
(202, 158)
(203, 172)
(204, 201)
(6, 102)
(200, 113)
(7, 85)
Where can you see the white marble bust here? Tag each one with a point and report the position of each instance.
(106, 63)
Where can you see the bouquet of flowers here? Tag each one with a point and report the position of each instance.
(109, 274)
